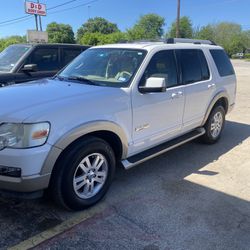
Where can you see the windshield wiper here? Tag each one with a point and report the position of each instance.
(61, 78)
(81, 79)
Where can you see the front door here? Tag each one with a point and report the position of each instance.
(158, 116)
(47, 61)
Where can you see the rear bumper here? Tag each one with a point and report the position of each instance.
(25, 184)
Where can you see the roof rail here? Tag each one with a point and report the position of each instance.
(186, 40)
(143, 41)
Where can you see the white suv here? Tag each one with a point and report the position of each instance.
(114, 103)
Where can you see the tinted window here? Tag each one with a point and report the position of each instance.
(45, 58)
(204, 66)
(191, 65)
(69, 54)
(222, 62)
(162, 65)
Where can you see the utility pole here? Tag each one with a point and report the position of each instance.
(89, 11)
(178, 18)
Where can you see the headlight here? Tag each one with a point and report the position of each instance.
(14, 135)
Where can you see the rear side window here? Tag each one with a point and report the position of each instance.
(204, 66)
(194, 65)
(222, 62)
(69, 54)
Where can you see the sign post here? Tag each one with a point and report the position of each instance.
(36, 9)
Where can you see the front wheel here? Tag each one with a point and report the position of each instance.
(84, 174)
(214, 125)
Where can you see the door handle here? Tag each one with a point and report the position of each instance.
(180, 93)
(177, 95)
(174, 95)
(211, 86)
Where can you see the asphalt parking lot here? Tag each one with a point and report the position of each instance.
(194, 197)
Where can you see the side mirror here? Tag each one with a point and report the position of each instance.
(29, 68)
(154, 85)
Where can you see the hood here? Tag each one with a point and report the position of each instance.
(18, 102)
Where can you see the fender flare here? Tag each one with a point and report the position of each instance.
(78, 132)
(221, 94)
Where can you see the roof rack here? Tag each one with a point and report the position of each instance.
(186, 40)
(143, 41)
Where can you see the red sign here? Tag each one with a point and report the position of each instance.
(35, 8)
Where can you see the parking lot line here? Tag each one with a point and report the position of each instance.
(64, 226)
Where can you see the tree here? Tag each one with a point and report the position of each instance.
(97, 25)
(185, 27)
(206, 33)
(60, 33)
(5, 42)
(149, 26)
(229, 35)
(99, 38)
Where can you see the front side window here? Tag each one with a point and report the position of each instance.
(162, 65)
(11, 55)
(46, 59)
(105, 66)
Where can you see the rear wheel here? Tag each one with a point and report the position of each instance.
(214, 125)
(84, 174)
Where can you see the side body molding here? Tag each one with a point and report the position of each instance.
(221, 94)
(78, 132)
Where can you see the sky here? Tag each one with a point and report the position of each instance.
(124, 13)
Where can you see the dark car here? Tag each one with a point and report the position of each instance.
(26, 62)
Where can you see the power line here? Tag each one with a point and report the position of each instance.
(59, 5)
(80, 5)
(26, 16)
(13, 22)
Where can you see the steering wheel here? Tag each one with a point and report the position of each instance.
(123, 74)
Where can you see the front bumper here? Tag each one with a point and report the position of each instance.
(25, 184)
(30, 162)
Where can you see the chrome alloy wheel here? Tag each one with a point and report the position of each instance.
(216, 125)
(90, 175)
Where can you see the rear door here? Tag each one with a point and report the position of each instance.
(198, 84)
(47, 61)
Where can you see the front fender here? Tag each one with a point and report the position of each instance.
(78, 132)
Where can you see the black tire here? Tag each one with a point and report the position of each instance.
(209, 137)
(64, 174)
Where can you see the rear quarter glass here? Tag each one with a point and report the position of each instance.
(222, 62)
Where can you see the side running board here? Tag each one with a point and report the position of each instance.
(162, 148)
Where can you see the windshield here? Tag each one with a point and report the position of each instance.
(105, 66)
(10, 56)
